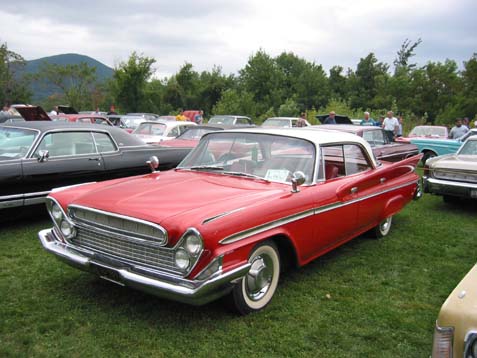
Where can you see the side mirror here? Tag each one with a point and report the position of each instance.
(153, 163)
(43, 155)
(298, 179)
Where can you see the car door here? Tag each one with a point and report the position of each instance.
(72, 159)
(336, 213)
(14, 146)
(122, 161)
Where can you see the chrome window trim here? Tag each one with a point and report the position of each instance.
(110, 137)
(63, 130)
(108, 229)
(302, 215)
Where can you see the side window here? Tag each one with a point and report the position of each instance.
(341, 160)
(356, 160)
(174, 132)
(67, 144)
(104, 143)
(380, 138)
(334, 161)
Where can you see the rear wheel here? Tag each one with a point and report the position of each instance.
(383, 228)
(257, 288)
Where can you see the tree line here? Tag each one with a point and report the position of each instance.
(284, 85)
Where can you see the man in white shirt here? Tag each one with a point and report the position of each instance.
(390, 126)
(458, 130)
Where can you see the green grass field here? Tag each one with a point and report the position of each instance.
(368, 298)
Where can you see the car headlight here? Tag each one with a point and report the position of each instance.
(182, 259)
(67, 229)
(56, 212)
(188, 250)
(442, 344)
(193, 244)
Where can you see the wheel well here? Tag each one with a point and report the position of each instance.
(425, 151)
(287, 252)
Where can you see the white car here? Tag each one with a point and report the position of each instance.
(154, 132)
(282, 122)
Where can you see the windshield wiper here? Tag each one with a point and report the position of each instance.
(247, 175)
(204, 167)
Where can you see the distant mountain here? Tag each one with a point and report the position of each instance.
(41, 92)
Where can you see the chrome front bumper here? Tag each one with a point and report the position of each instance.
(447, 187)
(195, 292)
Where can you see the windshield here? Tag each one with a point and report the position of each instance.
(428, 131)
(276, 122)
(15, 142)
(264, 156)
(221, 120)
(195, 133)
(469, 148)
(132, 122)
(151, 129)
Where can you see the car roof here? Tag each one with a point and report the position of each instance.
(120, 135)
(351, 128)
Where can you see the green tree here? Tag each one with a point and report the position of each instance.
(264, 79)
(234, 102)
(75, 83)
(338, 83)
(13, 87)
(130, 81)
(369, 79)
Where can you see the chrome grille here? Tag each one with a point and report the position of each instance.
(160, 258)
(470, 177)
(130, 239)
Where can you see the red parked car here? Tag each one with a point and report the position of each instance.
(239, 208)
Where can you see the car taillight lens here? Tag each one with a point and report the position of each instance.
(442, 344)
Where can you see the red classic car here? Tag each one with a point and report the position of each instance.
(434, 132)
(243, 205)
(383, 149)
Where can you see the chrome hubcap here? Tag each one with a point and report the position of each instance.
(384, 226)
(259, 277)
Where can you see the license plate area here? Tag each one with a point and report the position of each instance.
(107, 273)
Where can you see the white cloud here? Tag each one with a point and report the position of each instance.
(226, 33)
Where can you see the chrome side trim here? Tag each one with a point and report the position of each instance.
(11, 204)
(315, 211)
(212, 218)
(13, 201)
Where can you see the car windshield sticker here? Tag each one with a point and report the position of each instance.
(277, 175)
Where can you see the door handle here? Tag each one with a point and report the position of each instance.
(354, 190)
(382, 180)
(96, 159)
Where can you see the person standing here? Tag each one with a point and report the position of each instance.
(302, 120)
(399, 132)
(112, 110)
(458, 130)
(390, 125)
(367, 121)
(331, 118)
(199, 117)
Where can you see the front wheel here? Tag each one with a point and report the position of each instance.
(383, 228)
(257, 288)
(428, 155)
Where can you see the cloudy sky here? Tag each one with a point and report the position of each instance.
(227, 33)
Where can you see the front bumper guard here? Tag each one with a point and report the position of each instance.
(195, 292)
(448, 187)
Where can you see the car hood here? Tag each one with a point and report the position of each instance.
(461, 162)
(33, 113)
(180, 143)
(167, 198)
